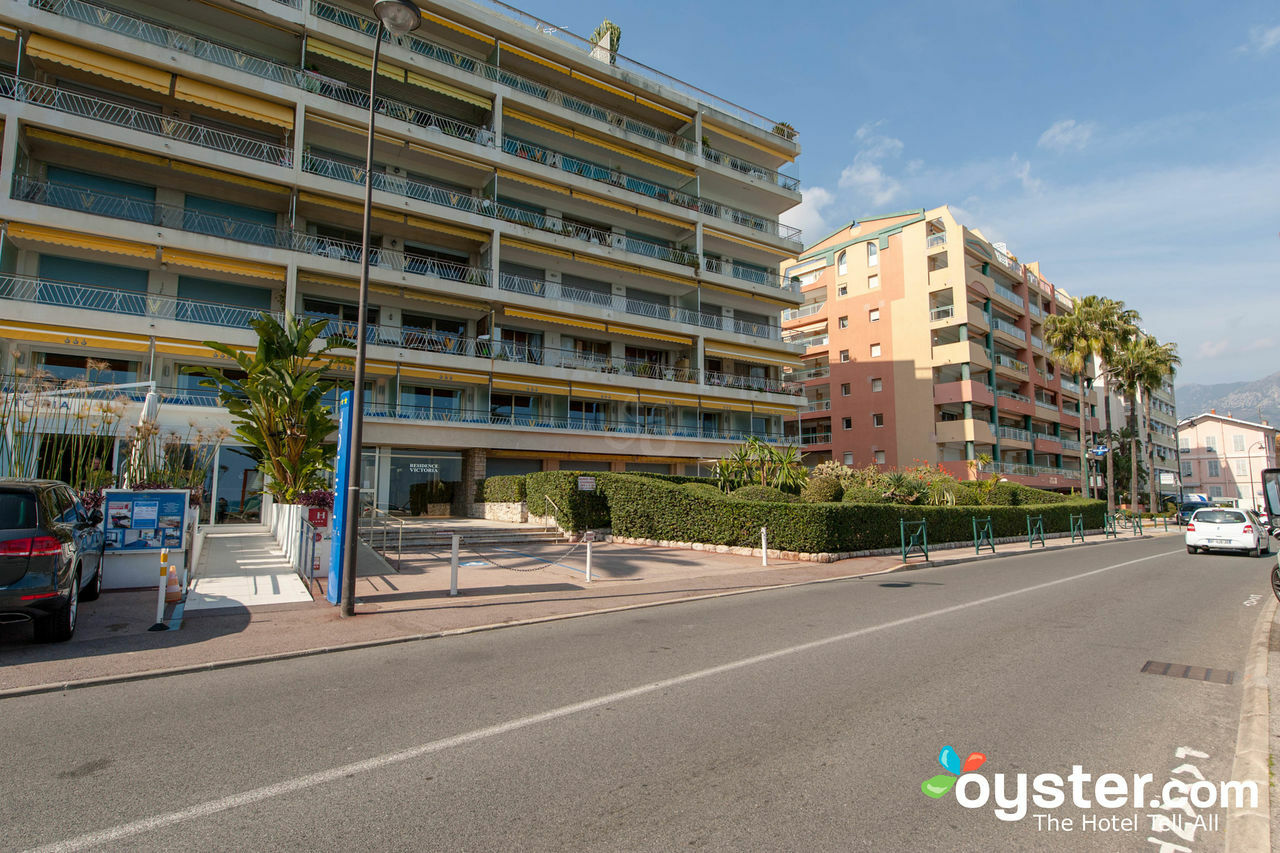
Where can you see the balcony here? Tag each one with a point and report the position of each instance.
(942, 312)
(962, 430)
(1069, 444)
(1008, 328)
(963, 391)
(751, 170)
(1007, 262)
(961, 352)
(810, 341)
(812, 439)
(803, 311)
(1020, 470)
(153, 124)
(1008, 293)
(935, 240)
(754, 276)
(1010, 363)
(355, 96)
(786, 385)
(1037, 342)
(241, 231)
(63, 294)
(808, 373)
(1070, 387)
(1035, 310)
(595, 172)
(617, 302)
(816, 406)
(1014, 434)
(749, 220)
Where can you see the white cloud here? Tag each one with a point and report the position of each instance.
(1233, 346)
(809, 215)
(867, 176)
(1261, 40)
(1067, 134)
(1022, 171)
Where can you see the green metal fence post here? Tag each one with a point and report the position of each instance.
(982, 535)
(1077, 527)
(1035, 530)
(1109, 525)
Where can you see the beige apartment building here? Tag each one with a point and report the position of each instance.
(1161, 431)
(575, 259)
(924, 342)
(1224, 457)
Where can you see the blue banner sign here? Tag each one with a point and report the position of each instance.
(340, 508)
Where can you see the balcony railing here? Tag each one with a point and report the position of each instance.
(811, 438)
(933, 240)
(638, 307)
(808, 373)
(1008, 262)
(1070, 387)
(1014, 433)
(1008, 293)
(802, 311)
(755, 276)
(63, 294)
(242, 231)
(358, 96)
(817, 406)
(811, 341)
(1022, 470)
(1069, 444)
(1011, 362)
(98, 109)
(753, 383)
(749, 220)
(751, 170)
(1037, 342)
(1035, 310)
(596, 172)
(1013, 395)
(942, 312)
(1008, 328)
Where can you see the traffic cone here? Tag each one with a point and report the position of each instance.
(172, 589)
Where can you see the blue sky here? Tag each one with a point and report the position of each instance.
(1132, 148)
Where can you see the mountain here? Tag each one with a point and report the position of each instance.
(1241, 399)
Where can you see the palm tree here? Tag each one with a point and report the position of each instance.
(1129, 367)
(1161, 361)
(1115, 325)
(1074, 338)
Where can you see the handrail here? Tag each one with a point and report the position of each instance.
(387, 519)
(556, 517)
(99, 109)
(526, 150)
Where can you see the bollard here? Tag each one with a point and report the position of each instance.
(453, 565)
(764, 547)
(589, 537)
(164, 582)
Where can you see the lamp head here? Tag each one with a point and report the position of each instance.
(398, 16)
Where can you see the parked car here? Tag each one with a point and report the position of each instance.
(1185, 511)
(50, 556)
(1214, 529)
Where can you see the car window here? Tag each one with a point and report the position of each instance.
(1192, 507)
(66, 500)
(17, 510)
(1219, 516)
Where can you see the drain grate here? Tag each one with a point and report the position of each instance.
(1195, 673)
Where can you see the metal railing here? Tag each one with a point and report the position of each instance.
(755, 276)
(810, 438)
(303, 555)
(1024, 470)
(638, 307)
(1013, 433)
(1070, 387)
(596, 172)
(374, 527)
(1035, 310)
(356, 96)
(812, 341)
(1008, 293)
(1007, 262)
(1037, 342)
(1069, 444)
(751, 170)
(64, 294)
(807, 374)
(935, 240)
(749, 220)
(817, 406)
(1013, 395)
(1011, 362)
(803, 311)
(1008, 328)
(942, 312)
(752, 383)
(98, 109)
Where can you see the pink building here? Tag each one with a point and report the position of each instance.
(1224, 457)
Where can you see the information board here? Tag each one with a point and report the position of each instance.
(144, 521)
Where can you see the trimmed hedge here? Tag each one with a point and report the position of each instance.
(646, 509)
(578, 510)
(762, 493)
(505, 489)
(821, 490)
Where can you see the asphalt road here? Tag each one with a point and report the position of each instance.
(799, 719)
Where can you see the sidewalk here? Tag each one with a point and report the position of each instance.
(498, 586)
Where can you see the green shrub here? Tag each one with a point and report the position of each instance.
(573, 510)
(859, 493)
(763, 493)
(706, 490)
(506, 489)
(822, 490)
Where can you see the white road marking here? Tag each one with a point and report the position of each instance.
(311, 780)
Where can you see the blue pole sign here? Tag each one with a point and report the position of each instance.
(340, 508)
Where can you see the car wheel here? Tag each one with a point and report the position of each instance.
(1191, 549)
(59, 625)
(94, 589)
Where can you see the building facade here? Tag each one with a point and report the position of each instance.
(575, 259)
(924, 342)
(1224, 457)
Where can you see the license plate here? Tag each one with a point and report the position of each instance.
(1219, 541)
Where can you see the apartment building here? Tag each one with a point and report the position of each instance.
(575, 260)
(1224, 457)
(1162, 431)
(925, 342)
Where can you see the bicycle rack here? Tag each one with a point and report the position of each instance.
(1109, 525)
(1035, 530)
(1077, 527)
(982, 535)
(914, 536)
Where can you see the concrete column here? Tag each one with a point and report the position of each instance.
(473, 469)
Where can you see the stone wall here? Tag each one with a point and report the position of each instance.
(513, 513)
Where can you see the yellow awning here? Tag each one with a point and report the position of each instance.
(441, 299)
(449, 90)
(649, 334)
(408, 372)
(751, 244)
(102, 64)
(549, 124)
(667, 220)
(530, 386)
(600, 84)
(604, 202)
(227, 177)
(351, 57)
(222, 264)
(533, 57)
(653, 105)
(380, 368)
(778, 152)
(602, 392)
(730, 405)
(330, 280)
(191, 349)
(560, 319)
(236, 103)
(536, 182)
(755, 296)
(534, 247)
(72, 336)
(613, 265)
(462, 28)
(759, 356)
(72, 240)
(544, 123)
(452, 158)
(764, 409)
(91, 145)
(8, 33)
(667, 398)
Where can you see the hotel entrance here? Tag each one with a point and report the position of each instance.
(418, 482)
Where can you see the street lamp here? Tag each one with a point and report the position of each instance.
(399, 17)
(1253, 496)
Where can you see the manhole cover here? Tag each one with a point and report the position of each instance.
(1195, 673)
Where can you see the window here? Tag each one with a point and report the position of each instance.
(844, 390)
(1184, 445)
(873, 315)
(844, 355)
(810, 277)
(873, 282)
(512, 408)
(1186, 469)
(842, 290)
(877, 419)
(1211, 442)
(879, 457)
(877, 384)
(848, 458)
(1215, 491)
(873, 254)
(846, 423)
(875, 350)
(1215, 470)
(584, 414)
(1241, 469)
(842, 263)
(844, 322)
(1237, 443)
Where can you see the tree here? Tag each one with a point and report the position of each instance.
(278, 408)
(1160, 361)
(610, 35)
(1141, 366)
(1074, 339)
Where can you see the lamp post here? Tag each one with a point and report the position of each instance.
(1253, 496)
(399, 17)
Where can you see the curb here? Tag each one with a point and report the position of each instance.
(1250, 828)
(231, 663)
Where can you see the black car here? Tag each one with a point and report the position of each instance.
(1187, 509)
(50, 556)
